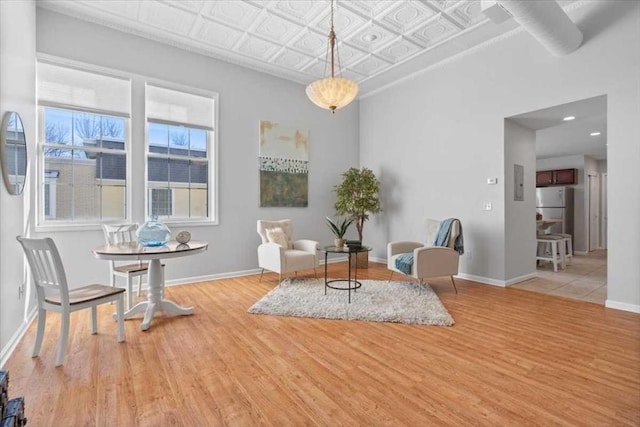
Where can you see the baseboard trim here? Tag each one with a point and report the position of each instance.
(520, 279)
(8, 349)
(581, 253)
(633, 308)
(483, 280)
(229, 275)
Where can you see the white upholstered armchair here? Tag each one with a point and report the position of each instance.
(279, 253)
(428, 260)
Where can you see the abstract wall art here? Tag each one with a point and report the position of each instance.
(284, 165)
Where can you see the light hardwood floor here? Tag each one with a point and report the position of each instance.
(584, 279)
(513, 358)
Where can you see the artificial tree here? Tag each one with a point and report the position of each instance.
(358, 196)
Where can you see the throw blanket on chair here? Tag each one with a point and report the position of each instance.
(445, 231)
(404, 262)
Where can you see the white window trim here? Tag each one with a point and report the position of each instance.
(44, 224)
(135, 121)
(212, 156)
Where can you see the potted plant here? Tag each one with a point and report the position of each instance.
(339, 229)
(358, 197)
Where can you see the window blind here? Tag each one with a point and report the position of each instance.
(175, 107)
(60, 86)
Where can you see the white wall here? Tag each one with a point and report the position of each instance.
(17, 93)
(246, 97)
(520, 241)
(437, 136)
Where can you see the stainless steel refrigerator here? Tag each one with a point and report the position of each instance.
(556, 203)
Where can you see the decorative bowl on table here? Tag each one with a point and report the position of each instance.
(153, 233)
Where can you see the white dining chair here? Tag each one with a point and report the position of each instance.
(52, 293)
(126, 233)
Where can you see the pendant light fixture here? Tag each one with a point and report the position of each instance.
(332, 92)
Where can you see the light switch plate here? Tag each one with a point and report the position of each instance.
(492, 181)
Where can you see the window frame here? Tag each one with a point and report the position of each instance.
(212, 155)
(44, 222)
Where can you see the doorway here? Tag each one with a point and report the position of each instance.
(573, 136)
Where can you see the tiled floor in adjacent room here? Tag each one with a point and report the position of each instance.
(585, 279)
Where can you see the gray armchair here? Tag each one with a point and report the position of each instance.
(428, 261)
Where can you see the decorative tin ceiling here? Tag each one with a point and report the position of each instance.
(288, 38)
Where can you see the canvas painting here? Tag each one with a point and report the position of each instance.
(284, 165)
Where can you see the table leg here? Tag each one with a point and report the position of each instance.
(326, 254)
(349, 276)
(156, 301)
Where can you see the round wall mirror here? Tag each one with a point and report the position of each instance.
(13, 152)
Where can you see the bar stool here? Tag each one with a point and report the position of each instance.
(567, 245)
(549, 250)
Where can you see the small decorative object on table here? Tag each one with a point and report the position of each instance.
(339, 228)
(183, 237)
(153, 233)
(356, 244)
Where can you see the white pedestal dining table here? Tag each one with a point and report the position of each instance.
(153, 254)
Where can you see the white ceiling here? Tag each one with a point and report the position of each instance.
(556, 137)
(378, 40)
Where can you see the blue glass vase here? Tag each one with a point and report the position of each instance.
(153, 233)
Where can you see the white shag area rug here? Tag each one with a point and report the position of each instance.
(375, 301)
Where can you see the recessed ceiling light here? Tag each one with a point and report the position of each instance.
(594, 133)
(566, 119)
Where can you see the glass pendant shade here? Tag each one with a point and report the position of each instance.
(332, 92)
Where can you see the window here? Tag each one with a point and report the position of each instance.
(83, 146)
(179, 140)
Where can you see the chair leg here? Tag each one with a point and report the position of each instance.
(390, 276)
(261, 273)
(64, 338)
(94, 320)
(454, 284)
(120, 317)
(129, 293)
(315, 273)
(42, 320)
(139, 285)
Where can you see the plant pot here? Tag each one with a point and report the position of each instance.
(338, 243)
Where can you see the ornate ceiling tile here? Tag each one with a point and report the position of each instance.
(370, 65)
(407, 15)
(277, 29)
(311, 43)
(368, 8)
(350, 54)
(216, 34)
(467, 13)
(399, 50)
(345, 22)
(299, 10)
(236, 13)
(434, 31)
(292, 60)
(372, 37)
(167, 17)
(256, 48)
